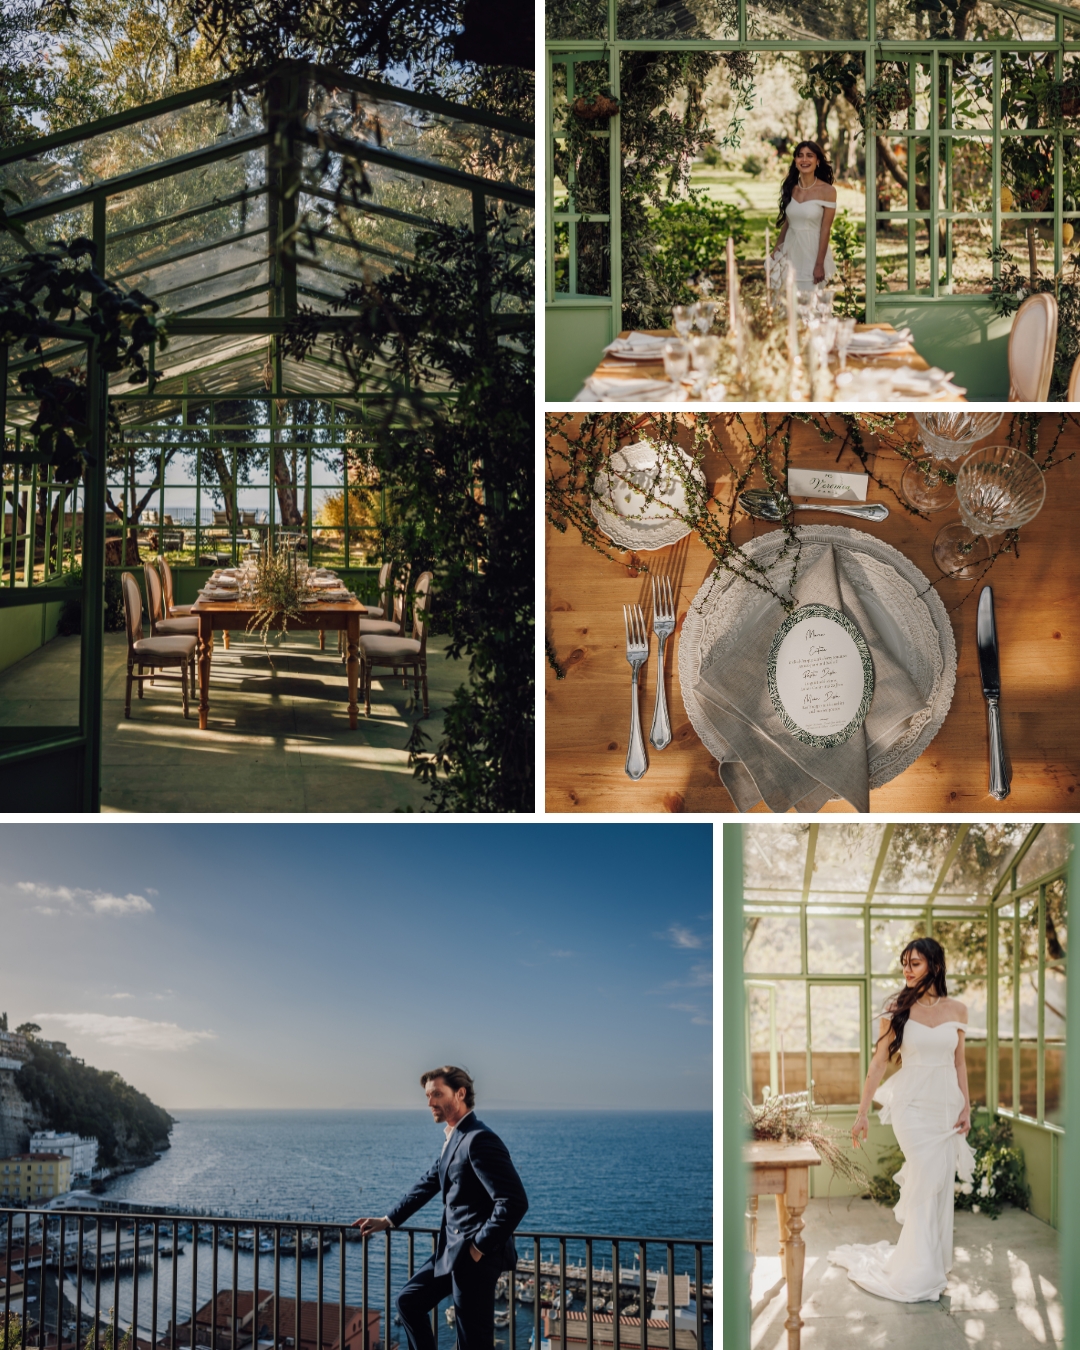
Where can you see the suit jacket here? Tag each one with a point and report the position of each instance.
(483, 1198)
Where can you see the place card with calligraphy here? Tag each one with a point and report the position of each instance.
(844, 487)
(821, 676)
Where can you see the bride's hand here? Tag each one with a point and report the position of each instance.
(860, 1130)
(963, 1124)
(819, 273)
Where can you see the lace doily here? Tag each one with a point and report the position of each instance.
(907, 612)
(626, 531)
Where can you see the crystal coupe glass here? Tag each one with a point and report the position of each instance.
(947, 436)
(998, 488)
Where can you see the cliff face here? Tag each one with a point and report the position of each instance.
(53, 1093)
(18, 1117)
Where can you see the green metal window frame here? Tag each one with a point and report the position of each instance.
(874, 50)
(736, 1311)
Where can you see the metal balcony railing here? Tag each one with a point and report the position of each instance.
(138, 1280)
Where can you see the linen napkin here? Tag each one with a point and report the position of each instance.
(639, 346)
(601, 389)
(879, 340)
(762, 760)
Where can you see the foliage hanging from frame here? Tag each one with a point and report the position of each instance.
(459, 466)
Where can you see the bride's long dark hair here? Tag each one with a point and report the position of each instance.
(933, 982)
(823, 171)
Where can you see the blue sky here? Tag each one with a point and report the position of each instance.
(302, 965)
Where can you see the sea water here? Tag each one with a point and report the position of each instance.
(631, 1174)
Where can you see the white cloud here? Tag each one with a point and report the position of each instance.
(699, 1019)
(121, 995)
(79, 900)
(683, 937)
(130, 1033)
(562, 954)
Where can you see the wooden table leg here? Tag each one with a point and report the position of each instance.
(352, 665)
(206, 647)
(793, 1203)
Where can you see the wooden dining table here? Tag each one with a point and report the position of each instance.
(614, 368)
(783, 1170)
(235, 615)
(587, 712)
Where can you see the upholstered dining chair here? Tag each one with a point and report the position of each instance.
(172, 611)
(401, 653)
(160, 625)
(1031, 349)
(393, 601)
(1073, 396)
(153, 654)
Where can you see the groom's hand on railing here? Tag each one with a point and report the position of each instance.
(368, 1226)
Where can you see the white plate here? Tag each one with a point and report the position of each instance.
(909, 615)
(616, 507)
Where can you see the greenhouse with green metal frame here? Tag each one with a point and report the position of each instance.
(956, 127)
(815, 920)
(253, 222)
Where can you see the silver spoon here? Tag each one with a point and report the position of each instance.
(774, 506)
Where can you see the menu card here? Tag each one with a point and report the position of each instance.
(821, 677)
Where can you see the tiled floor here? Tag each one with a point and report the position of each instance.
(278, 740)
(1004, 1292)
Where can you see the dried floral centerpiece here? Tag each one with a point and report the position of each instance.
(786, 1118)
(278, 592)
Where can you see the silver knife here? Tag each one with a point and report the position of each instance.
(986, 640)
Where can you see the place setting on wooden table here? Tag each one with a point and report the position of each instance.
(781, 345)
(815, 611)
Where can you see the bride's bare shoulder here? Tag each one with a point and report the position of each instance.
(958, 1009)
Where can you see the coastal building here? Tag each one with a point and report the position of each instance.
(214, 1324)
(656, 1332)
(81, 1151)
(34, 1176)
(14, 1045)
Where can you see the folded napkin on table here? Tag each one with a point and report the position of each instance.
(879, 340)
(643, 345)
(923, 383)
(600, 389)
(762, 759)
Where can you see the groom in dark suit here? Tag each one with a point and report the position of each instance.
(483, 1202)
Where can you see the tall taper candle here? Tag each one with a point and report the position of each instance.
(768, 265)
(731, 284)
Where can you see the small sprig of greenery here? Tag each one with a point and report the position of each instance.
(277, 593)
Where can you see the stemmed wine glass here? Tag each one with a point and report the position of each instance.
(704, 311)
(844, 330)
(947, 436)
(998, 488)
(682, 320)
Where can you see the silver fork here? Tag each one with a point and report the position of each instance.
(637, 653)
(663, 625)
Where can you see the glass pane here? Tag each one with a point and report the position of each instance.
(803, 20)
(757, 1011)
(973, 995)
(888, 938)
(835, 1041)
(1057, 921)
(915, 857)
(656, 19)
(983, 855)
(774, 857)
(834, 945)
(1055, 1083)
(1029, 1060)
(1049, 851)
(971, 89)
(975, 1056)
(964, 941)
(576, 18)
(771, 944)
(844, 857)
(1005, 1083)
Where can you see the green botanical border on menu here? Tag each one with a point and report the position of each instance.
(824, 612)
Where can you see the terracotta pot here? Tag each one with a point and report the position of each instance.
(599, 110)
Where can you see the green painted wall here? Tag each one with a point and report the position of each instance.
(574, 336)
(1042, 1160)
(25, 628)
(957, 333)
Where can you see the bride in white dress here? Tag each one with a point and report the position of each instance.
(807, 211)
(927, 1104)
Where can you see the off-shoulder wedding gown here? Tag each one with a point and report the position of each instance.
(922, 1103)
(800, 246)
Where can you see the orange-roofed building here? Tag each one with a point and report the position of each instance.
(219, 1313)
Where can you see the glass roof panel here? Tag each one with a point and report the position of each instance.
(774, 857)
(1050, 850)
(916, 854)
(983, 855)
(678, 19)
(844, 857)
(96, 159)
(401, 191)
(131, 253)
(806, 20)
(420, 133)
(897, 20)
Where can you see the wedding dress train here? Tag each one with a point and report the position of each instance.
(800, 246)
(922, 1102)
